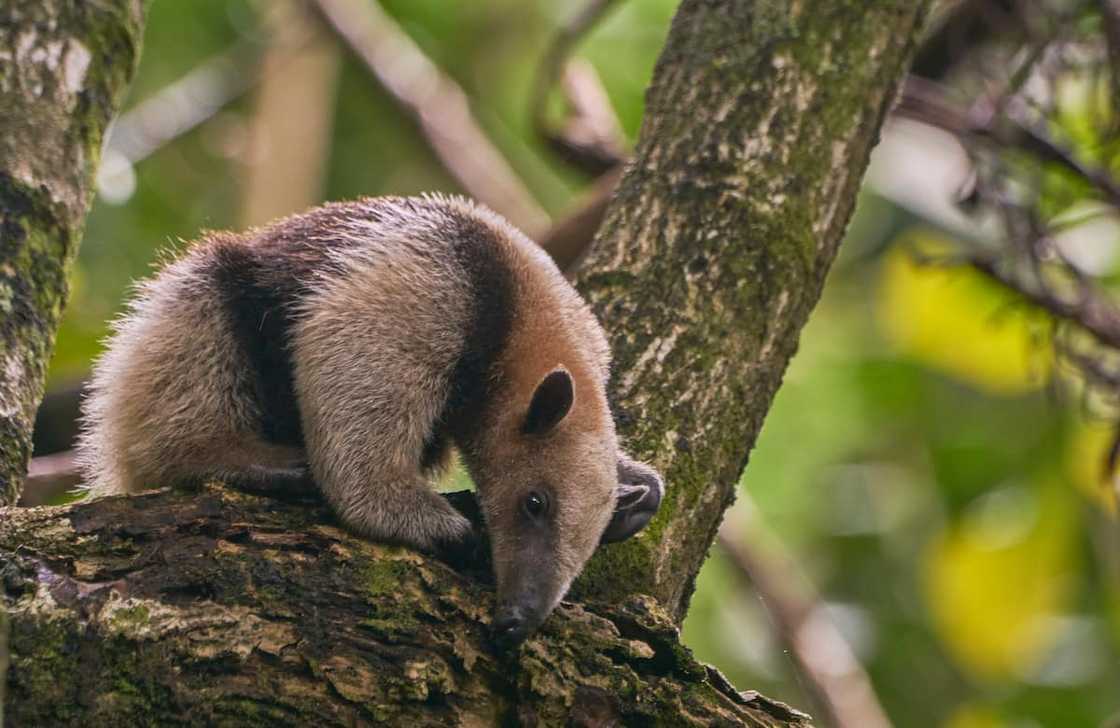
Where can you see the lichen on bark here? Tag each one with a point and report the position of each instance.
(759, 124)
(64, 68)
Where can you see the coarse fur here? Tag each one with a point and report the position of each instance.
(349, 347)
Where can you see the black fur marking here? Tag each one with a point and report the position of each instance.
(492, 283)
(434, 453)
(261, 278)
(257, 312)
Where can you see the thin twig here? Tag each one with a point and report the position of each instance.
(838, 683)
(1089, 365)
(184, 104)
(924, 100)
(987, 109)
(568, 240)
(590, 137)
(437, 103)
(1093, 311)
(49, 477)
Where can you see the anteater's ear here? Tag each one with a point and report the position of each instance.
(551, 402)
(639, 493)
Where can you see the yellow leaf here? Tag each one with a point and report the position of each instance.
(955, 320)
(995, 580)
(971, 715)
(1085, 462)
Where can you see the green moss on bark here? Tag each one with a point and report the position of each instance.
(759, 124)
(216, 606)
(64, 68)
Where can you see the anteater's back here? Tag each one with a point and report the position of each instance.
(201, 375)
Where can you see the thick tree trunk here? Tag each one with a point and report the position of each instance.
(224, 607)
(759, 125)
(64, 67)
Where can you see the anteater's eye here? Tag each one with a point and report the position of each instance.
(535, 504)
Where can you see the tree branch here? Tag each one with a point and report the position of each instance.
(5, 659)
(1110, 18)
(290, 144)
(220, 607)
(50, 477)
(185, 103)
(64, 69)
(569, 239)
(843, 692)
(438, 105)
(759, 124)
(590, 137)
(924, 100)
(1092, 311)
(840, 686)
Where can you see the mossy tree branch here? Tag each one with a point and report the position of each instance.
(64, 68)
(759, 124)
(232, 609)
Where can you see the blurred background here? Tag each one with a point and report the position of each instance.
(926, 532)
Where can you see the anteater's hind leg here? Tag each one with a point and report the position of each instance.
(171, 401)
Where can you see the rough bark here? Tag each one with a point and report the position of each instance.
(229, 608)
(64, 67)
(222, 607)
(759, 124)
(4, 655)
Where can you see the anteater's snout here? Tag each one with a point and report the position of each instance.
(511, 625)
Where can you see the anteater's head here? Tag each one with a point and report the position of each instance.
(553, 485)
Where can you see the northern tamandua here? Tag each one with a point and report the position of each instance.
(350, 347)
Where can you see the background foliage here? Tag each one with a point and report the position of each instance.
(919, 465)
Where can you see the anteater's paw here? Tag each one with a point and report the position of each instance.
(461, 548)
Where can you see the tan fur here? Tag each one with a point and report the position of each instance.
(555, 330)
(360, 436)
